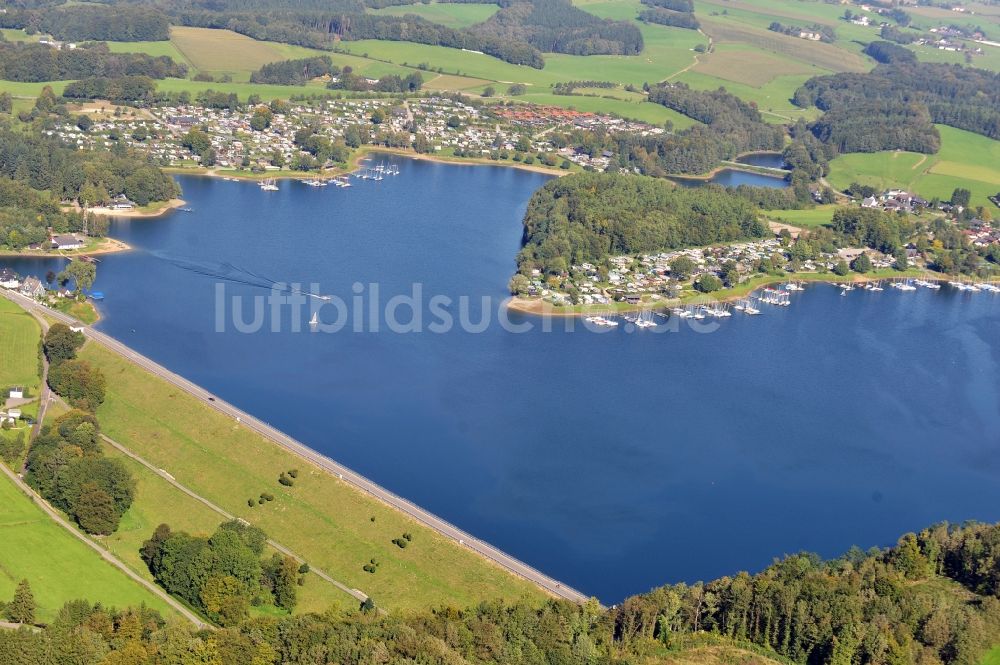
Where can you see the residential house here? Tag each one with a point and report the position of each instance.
(32, 287)
(69, 241)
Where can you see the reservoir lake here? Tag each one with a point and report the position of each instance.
(615, 461)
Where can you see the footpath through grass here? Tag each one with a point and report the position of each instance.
(335, 527)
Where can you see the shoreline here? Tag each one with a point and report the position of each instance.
(539, 307)
(352, 165)
(491, 554)
(166, 207)
(107, 246)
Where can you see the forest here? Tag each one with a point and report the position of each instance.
(913, 93)
(220, 575)
(929, 600)
(120, 90)
(91, 22)
(589, 216)
(731, 126)
(32, 62)
(558, 26)
(671, 18)
(91, 177)
(294, 72)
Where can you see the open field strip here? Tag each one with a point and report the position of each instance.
(19, 338)
(773, 99)
(453, 15)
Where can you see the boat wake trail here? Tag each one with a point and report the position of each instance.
(234, 274)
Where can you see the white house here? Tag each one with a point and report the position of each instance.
(32, 288)
(71, 241)
(9, 279)
(16, 393)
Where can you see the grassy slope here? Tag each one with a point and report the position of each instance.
(157, 502)
(320, 518)
(19, 336)
(58, 566)
(965, 160)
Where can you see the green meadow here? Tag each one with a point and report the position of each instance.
(159, 502)
(965, 160)
(58, 566)
(19, 337)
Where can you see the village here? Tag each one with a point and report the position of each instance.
(434, 124)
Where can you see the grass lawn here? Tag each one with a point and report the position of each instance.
(32, 90)
(19, 337)
(59, 567)
(158, 502)
(450, 14)
(809, 218)
(965, 160)
(992, 657)
(324, 520)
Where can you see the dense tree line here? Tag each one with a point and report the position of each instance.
(685, 6)
(559, 26)
(89, 177)
(872, 227)
(92, 22)
(670, 18)
(294, 72)
(929, 600)
(221, 575)
(893, 34)
(38, 62)
(962, 97)
(888, 53)
(586, 217)
(731, 126)
(392, 83)
(26, 215)
(117, 90)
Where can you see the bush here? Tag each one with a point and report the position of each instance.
(304, 568)
(294, 473)
(251, 503)
(708, 283)
(401, 543)
(285, 480)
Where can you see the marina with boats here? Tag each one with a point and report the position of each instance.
(759, 301)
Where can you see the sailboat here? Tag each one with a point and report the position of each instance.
(314, 321)
(268, 185)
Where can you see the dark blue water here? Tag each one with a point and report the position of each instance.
(614, 461)
(735, 178)
(773, 160)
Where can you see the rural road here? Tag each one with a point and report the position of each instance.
(345, 474)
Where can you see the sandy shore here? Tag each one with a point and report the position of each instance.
(107, 246)
(139, 214)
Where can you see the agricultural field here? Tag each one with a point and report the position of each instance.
(742, 63)
(222, 52)
(965, 160)
(59, 567)
(229, 464)
(450, 14)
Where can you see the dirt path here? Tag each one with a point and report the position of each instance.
(697, 61)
